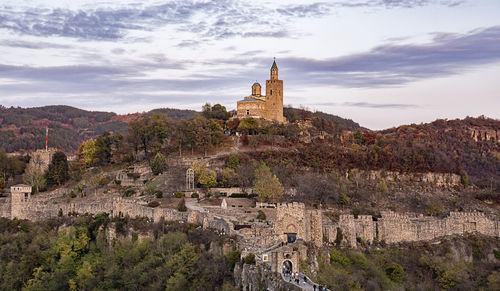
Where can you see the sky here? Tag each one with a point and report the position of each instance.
(381, 63)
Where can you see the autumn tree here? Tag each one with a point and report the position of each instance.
(207, 178)
(87, 152)
(267, 185)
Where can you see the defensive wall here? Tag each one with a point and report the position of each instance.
(392, 227)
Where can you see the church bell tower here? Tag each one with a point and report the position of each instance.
(274, 95)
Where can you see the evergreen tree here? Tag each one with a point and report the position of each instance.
(58, 169)
(158, 164)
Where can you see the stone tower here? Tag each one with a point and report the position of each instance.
(20, 197)
(274, 95)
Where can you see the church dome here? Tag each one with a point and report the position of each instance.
(256, 84)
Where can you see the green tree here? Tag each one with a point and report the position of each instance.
(205, 177)
(267, 185)
(229, 178)
(233, 161)
(158, 164)
(57, 172)
(216, 112)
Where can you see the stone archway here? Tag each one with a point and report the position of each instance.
(287, 267)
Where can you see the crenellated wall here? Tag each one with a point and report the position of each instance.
(393, 227)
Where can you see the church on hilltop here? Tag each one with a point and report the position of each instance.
(269, 106)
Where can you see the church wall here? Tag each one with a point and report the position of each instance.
(256, 108)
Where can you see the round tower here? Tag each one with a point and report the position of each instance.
(256, 89)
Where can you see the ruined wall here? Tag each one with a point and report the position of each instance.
(46, 207)
(315, 228)
(5, 207)
(393, 227)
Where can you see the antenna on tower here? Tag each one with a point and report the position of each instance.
(47, 139)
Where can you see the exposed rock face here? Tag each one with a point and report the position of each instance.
(437, 179)
(260, 277)
(484, 134)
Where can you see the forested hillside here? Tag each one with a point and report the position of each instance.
(78, 254)
(24, 128)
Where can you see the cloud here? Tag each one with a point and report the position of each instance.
(395, 64)
(32, 44)
(307, 10)
(396, 3)
(222, 19)
(369, 105)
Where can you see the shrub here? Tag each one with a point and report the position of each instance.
(336, 256)
(382, 187)
(195, 195)
(159, 194)
(60, 213)
(497, 254)
(249, 259)
(129, 192)
(395, 272)
(234, 257)
(182, 205)
(179, 195)
(261, 215)
(344, 200)
(72, 194)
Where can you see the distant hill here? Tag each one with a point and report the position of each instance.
(174, 114)
(24, 128)
(292, 114)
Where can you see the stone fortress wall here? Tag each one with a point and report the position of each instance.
(393, 227)
(291, 218)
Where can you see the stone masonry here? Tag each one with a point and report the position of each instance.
(393, 227)
(293, 218)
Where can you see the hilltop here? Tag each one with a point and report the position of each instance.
(23, 129)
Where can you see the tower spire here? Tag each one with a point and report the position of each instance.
(274, 70)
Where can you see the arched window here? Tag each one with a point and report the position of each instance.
(248, 112)
(271, 92)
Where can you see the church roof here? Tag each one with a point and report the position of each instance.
(274, 66)
(251, 99)
(256, 84)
